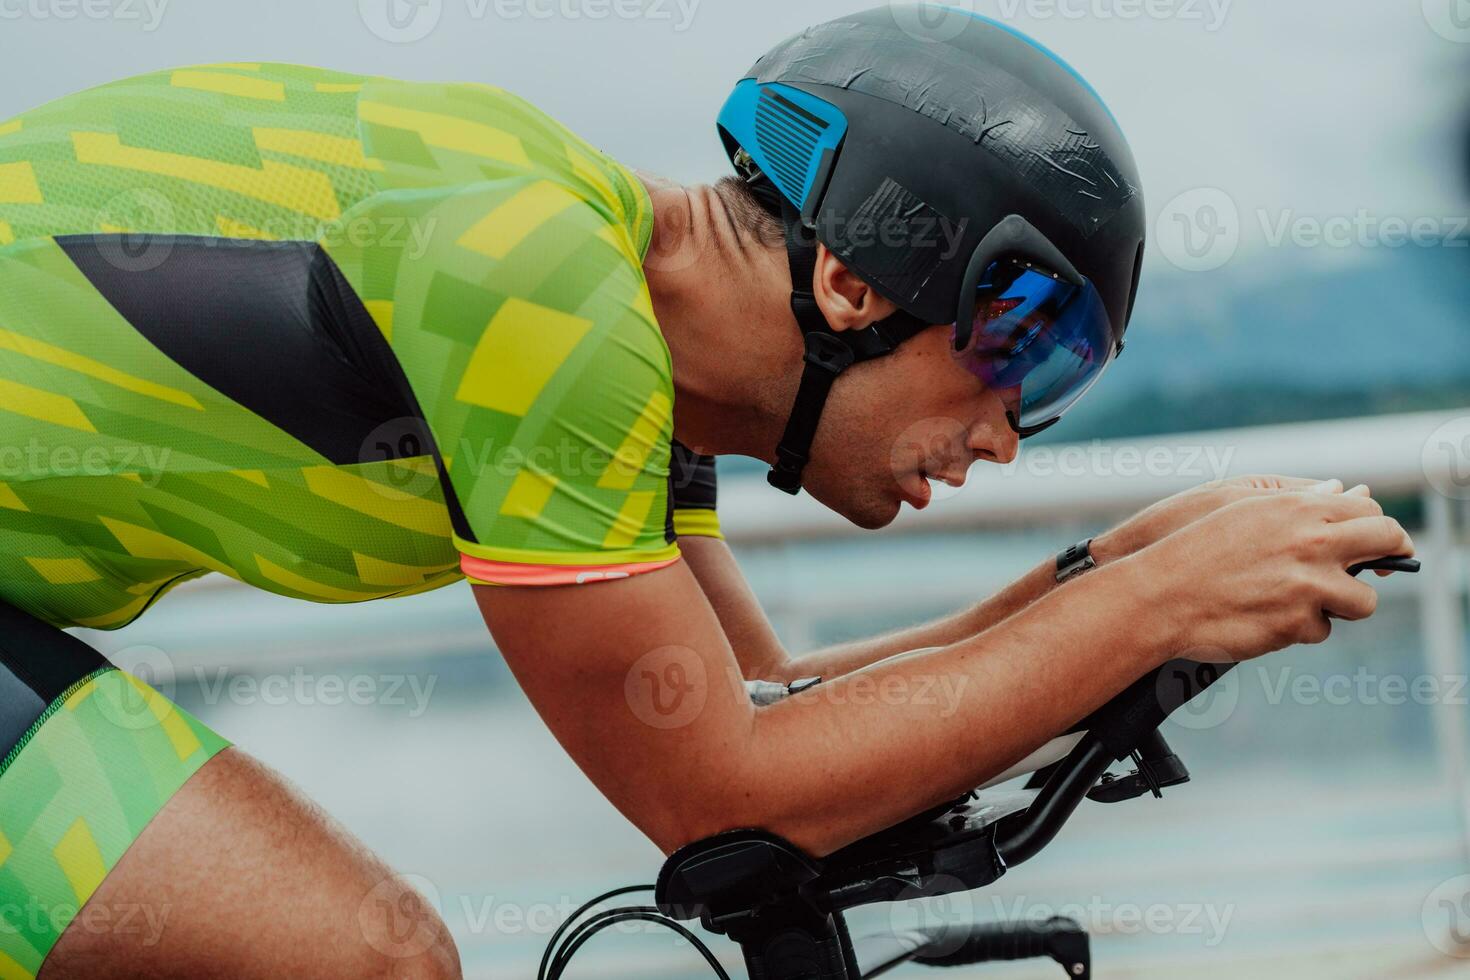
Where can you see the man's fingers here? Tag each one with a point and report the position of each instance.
(1370, 538)
(1339, 507)
(1273, 483)
(1352, 600)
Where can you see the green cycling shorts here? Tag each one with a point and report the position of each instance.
(88, 755)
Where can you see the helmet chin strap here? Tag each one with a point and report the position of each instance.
(828, 352)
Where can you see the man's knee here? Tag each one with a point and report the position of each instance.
(404, 935)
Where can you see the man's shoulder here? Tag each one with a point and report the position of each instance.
(461, 134)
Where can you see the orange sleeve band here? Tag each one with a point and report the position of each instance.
(481, 571)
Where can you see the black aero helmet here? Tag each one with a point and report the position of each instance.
(968, 175)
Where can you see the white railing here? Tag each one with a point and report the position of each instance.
(1385, 452)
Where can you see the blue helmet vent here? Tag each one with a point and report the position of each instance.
(786, 131)
(788, 140)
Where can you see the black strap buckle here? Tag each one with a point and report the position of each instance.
(826, 351)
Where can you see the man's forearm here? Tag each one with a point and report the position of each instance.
(845, 658)
(762, 656)
(933, 725)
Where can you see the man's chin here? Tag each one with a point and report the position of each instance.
(869, 511)
(870, 515)
(874, 521)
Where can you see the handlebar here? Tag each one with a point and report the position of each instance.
(784, 908)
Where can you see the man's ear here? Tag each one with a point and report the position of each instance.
(846, 301)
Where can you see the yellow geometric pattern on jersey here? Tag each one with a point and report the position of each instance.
(499, 256)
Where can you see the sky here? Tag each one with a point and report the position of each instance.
(1299, 112)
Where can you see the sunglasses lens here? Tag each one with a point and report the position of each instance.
(1045, 340)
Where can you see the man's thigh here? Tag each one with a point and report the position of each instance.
(135, 843)
(240, 876)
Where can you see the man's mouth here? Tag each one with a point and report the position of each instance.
(918, 490)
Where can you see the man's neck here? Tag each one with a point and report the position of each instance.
(722, 305)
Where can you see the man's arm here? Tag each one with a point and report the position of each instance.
(639, 684)
(763, 657)
(641, 687)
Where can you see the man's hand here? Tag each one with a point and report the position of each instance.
(1270, 571)
(1183, 509)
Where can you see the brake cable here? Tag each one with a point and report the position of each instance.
(559, 958)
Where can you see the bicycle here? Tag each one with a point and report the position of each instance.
(785, 909)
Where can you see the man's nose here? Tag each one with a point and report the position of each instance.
(991, 435)
(1005, 443)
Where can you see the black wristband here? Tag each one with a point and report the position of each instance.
(1075, 560)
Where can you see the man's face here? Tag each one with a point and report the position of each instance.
(897, 424)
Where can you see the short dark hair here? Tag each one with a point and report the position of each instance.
(752, 222)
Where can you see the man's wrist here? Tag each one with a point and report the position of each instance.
(1151, 605)
(1106, 548)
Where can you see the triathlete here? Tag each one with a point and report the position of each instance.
(344, 338)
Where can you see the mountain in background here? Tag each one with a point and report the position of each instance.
(1286, 337)
(1284, 340)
